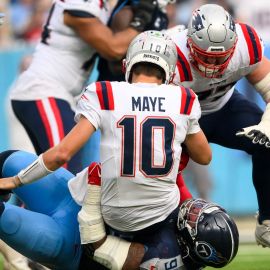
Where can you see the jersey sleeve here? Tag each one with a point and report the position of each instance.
(194, 117)
(82, 8)
(250, 44)
(89, 106)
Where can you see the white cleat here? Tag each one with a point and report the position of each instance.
(262, 233)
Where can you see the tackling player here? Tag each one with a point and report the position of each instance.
(213, 54)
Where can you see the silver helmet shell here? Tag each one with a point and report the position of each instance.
(211, 38)
(153, 47)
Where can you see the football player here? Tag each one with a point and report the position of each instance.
(214, 53)
(44, 96)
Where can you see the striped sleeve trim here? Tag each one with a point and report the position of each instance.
(187, 100)
(253, 43)
(183, 66)
(105, 95)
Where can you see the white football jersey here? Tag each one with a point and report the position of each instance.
(213, 93)
(62, 61)
(142, 128)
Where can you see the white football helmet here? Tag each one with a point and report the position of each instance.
(152, 47)
(211, 38)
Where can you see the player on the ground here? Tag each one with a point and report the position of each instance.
(213, 54)
(44, 96)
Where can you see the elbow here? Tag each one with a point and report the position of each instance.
(206, 159)
(62, 156)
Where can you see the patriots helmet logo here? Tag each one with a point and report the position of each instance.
(197, 23)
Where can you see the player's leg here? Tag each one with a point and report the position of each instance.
(47, 121)
(220, 128)
(39, 237)
(51, 225)
(42, 196)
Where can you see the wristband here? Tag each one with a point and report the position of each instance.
(34, 171)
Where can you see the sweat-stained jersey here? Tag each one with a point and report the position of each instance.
(142, 128)
(213, 93)
(62, 61)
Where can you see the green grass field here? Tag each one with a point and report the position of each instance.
(250, 257)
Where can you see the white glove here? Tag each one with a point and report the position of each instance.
(259, 133)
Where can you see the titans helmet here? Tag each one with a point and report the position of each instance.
(211, 39)
(153, 47)
(208, 236)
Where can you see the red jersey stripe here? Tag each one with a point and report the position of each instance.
(183, 99)
(100, 96)
(183, 66)
(253, 43)
(188, 97)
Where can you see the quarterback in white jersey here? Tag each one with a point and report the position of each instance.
(213, 54)
(143, 126)
(141, 137)
(44, 96)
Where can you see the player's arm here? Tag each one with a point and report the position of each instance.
(110, 45)
(260, 78)
(53, 158)
(198, 148)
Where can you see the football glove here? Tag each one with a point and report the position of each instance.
(143, 14)
(259, 133)
(159, 21)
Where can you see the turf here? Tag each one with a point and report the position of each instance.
(250, 257)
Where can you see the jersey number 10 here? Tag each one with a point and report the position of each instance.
(146, 145)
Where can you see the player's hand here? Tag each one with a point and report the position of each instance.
(257, 134)
(143, 14)
(9, 183)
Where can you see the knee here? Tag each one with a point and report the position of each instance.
(10, 221)
(3, 157)
(14, 161)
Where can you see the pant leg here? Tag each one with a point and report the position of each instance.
(48, 232)
(46, 122)
(42, 195)
(220, 128)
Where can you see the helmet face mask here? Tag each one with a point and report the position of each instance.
(211, 39)
(207, 235)
(152, 47)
